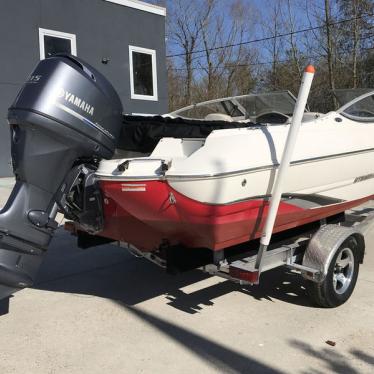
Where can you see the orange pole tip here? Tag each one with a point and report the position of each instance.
(310, 69)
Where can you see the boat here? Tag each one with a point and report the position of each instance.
(171, 187)
(212, 192)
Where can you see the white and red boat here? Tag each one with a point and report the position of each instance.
(213, 192)
(184, 192)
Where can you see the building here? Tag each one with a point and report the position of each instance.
(123, 39)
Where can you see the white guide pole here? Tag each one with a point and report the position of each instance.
(285, 162)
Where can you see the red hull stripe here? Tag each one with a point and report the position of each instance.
(149, 213)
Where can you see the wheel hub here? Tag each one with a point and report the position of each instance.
(343, 270)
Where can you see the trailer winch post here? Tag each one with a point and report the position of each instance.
(285, 163)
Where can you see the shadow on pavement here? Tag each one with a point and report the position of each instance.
(4, 306)
(363, 356)
(223, 359)
(335, 361)
(280, 284)
(111, 272)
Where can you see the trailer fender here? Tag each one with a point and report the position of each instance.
(323, 246)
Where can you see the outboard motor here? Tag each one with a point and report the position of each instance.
(66, 118)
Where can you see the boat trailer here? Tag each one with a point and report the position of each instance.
(328, 257)
(311, 255)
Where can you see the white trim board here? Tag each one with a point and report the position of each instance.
(57, 34)
(147, 51)
(141, 5)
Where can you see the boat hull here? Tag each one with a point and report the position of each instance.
(150, 214)
(213, 193)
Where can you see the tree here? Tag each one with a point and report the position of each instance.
(220, 56)
(356, 33)
(185, 22)
(329, 45)
(228, 69)
(272, 27)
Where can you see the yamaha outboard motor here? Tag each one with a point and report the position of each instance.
(65, 119)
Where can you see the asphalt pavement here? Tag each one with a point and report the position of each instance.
(102, 310)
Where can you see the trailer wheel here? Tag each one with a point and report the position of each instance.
(341, 277)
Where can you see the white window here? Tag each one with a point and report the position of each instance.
(52, 42)
(143, 73)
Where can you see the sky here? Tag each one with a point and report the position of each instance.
(260, 6)
(307, 42)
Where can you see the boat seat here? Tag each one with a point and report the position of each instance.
(218, 117)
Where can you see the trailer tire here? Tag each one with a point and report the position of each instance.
(341, 277)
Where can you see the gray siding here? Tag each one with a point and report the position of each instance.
(102, 29)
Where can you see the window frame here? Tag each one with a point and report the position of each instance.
(152, 53)
(56, 34)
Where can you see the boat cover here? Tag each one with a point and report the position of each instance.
(141, 134)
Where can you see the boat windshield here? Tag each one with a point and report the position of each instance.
(201, 110)
(360, 109)
(345, 95)
(256, 105)
(243, 107)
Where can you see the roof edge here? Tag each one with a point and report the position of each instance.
(141, 5)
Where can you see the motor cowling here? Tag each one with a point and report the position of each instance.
(66, 115)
